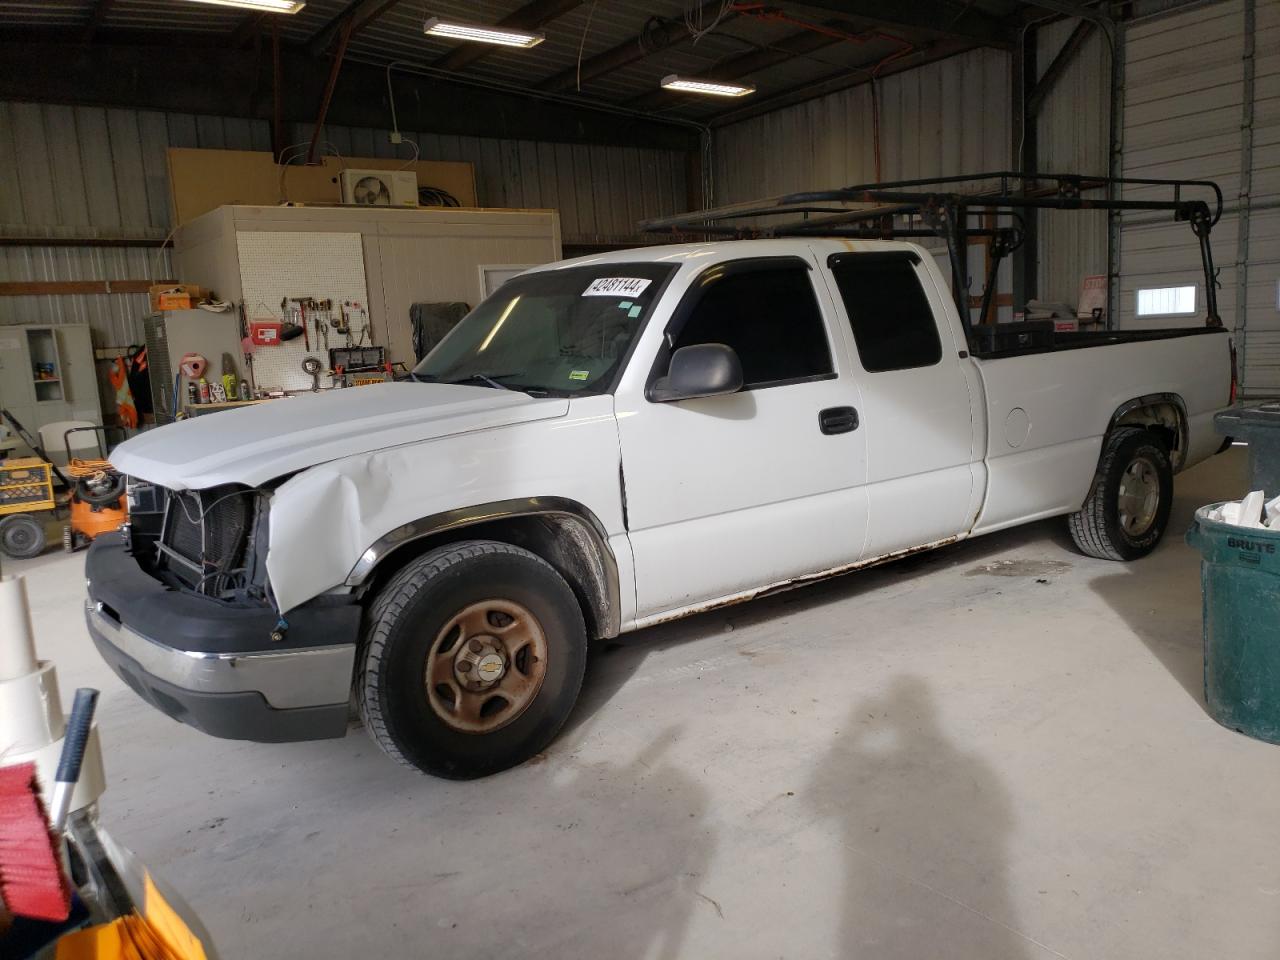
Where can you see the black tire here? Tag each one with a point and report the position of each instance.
(404, 626)
(1104, 528)
(21, 536)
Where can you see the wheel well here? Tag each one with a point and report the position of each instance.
(562, 540)
(1162, 414)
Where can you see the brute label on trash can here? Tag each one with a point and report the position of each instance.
(1240, 581)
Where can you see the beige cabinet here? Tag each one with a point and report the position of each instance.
(408, 256)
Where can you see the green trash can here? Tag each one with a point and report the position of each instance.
(1259, 427)
(1240, 582)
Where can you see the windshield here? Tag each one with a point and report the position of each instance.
(553, 332)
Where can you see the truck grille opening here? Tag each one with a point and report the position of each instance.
(206, 543)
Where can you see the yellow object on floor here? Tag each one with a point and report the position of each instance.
(26, 485)
(160, 935)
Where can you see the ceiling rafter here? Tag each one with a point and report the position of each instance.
(628, 52)
(1066, 54)
(361, 13)
(96, 16)
(245, 30)
(788, 48)
(841, 81)
(532, 15)
(934, 19)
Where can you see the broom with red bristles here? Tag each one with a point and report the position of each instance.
(32, 883)
(32, 880)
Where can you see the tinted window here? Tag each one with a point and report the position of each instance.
(768, 314)
(892, 323)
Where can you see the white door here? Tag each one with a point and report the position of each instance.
(728, 494)
(922, 433)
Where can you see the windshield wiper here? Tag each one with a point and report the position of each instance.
(483, 378)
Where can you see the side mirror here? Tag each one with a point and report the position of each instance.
(701, 370)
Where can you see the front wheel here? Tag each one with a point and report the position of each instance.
(1127, 512)
(473, 658)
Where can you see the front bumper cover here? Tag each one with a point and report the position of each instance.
(213, 666)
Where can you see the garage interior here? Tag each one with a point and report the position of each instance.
(997, 748)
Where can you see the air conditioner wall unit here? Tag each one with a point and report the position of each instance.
(379, 188)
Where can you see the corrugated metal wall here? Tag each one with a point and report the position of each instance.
(1261, 316)
(1071, 134)
(948, 117)
(1201, 101)
(90, 172)
(600, 191)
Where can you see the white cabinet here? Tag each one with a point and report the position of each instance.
(47, 374)
(385, 258)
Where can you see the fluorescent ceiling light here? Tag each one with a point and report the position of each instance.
(715, 88)
(467, 31)
(264, 6)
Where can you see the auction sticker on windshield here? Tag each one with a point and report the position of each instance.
(616, 287)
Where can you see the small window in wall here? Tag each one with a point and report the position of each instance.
(768, 313)
(1166, 301)
(893, 325)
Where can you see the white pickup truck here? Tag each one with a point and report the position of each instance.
(604, 444)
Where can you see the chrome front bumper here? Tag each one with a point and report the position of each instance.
(287, 679)
(232, 671)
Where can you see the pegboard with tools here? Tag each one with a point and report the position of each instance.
(312, 284)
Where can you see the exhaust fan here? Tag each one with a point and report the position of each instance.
(379, 188)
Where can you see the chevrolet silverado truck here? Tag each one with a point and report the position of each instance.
(604, 444)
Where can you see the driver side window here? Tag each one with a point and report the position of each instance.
(769, 315)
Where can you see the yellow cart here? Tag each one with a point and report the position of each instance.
(26, 488)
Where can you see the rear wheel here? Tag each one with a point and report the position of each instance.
(21, 536)
(1127, 512)
(473, 659)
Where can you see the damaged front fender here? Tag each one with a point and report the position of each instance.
(326, 519)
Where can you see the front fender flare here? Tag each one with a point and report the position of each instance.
(551, 507)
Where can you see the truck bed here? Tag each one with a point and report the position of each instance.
(997, 341)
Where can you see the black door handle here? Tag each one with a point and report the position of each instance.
(837, 420)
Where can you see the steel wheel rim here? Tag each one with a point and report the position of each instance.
(1139, 497)
(486, 666)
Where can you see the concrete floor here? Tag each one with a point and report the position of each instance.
(998, 750)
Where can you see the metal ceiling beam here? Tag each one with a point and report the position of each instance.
(840, 81)
(1071, 9)
(627, 52)
(361, 13)
(171, 73)
(245, 29)
(529, 17)
(788, 48)
(1070, 49)
(347, 26)
(935, 18)
(1068, 8)
(96, 16)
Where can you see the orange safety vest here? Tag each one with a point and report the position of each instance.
(118, 375)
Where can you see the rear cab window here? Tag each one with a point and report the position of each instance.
(893, 325)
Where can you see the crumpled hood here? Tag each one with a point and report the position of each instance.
(252, 445)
